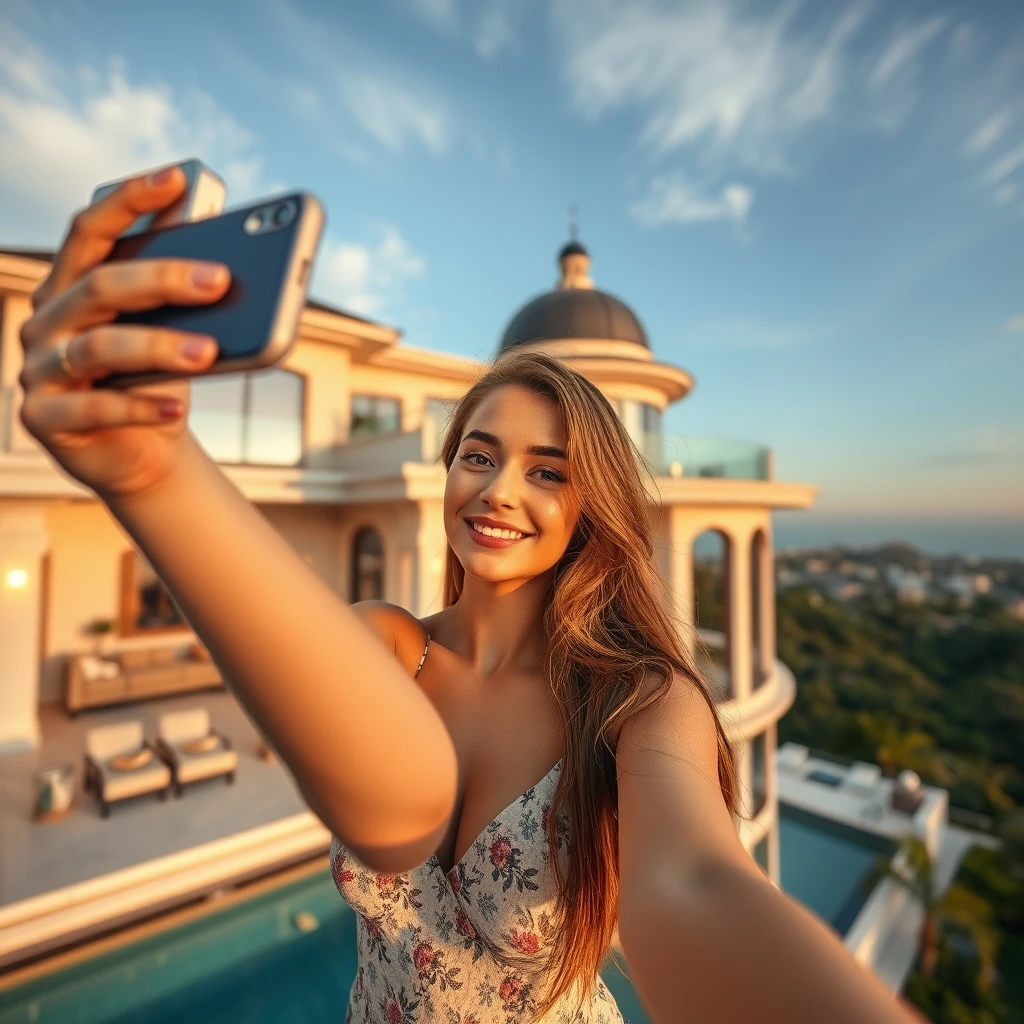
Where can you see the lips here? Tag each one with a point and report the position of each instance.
(492, 533)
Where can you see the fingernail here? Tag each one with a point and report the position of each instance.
(195, 348)
(162, 177)
(208, 277)
(169, 408)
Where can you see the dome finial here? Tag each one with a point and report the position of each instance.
(574, 259)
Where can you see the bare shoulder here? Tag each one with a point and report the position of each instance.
(676, 717)
(397, 628)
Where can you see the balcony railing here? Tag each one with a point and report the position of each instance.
(678, 456)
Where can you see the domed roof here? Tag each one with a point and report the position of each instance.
(574, 313)
(574, 309)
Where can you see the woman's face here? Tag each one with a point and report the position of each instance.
(509, 512)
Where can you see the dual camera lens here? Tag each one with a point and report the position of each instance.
(278, 215)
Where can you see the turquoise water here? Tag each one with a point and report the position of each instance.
(245, 964)
(249, 964)
(825, 864)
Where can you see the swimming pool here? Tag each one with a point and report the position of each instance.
(248, 960)
(247, 963)
(825, 864)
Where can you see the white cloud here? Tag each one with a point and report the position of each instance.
(987, 133)
(336, 76)
(901, 52)
(442, 14)
(494, 30)
(367, 279)
(62, 133)
(394, 115)
(672, 200)
(1005, 166)
(1014, 324)
(745, 86)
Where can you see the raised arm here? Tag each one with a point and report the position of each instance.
(707, 936)
(365, 745)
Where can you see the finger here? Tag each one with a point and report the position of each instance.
(45, 414)
(110, 348)
(94, 229)
(126, 286)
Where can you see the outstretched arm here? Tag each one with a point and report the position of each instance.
(365, 745)
(707, 937)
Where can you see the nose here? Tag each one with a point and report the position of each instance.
(501, 490)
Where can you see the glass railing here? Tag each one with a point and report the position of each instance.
(678, 456)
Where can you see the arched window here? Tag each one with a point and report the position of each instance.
(367, 566)
(711, 607)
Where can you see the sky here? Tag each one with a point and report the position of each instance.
(816, 209)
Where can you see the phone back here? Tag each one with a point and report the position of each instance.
(269, 271)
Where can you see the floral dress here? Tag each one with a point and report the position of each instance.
(427, 939)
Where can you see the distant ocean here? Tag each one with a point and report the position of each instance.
(999, 539)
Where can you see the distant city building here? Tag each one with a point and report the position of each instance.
(816, 566)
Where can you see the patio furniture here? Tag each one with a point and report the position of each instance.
(863, 778)
(792, 757)
(120, 764)
(137, 674)
(55, 792)
(194, 750)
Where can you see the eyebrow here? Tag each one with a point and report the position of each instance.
(545, 450)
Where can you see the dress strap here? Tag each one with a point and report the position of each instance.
(423, 657)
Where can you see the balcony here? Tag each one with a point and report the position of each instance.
(717, 457)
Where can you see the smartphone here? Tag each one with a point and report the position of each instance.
(269, 247)
(203, 196)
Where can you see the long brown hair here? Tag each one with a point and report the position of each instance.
(608, 636)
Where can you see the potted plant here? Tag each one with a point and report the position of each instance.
(100, 629)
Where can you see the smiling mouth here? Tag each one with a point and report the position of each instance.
(496, 534)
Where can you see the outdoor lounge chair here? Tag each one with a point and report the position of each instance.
(192, 749)
(119, 764)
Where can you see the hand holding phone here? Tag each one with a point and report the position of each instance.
(269, 248)
(74, 337)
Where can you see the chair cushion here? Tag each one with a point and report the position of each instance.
(178, 727)
(131, 762)
(205, 766)
(148, 779)
(107, 741)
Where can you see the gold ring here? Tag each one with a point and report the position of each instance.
(62, 351)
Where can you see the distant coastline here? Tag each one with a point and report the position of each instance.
(998, 539)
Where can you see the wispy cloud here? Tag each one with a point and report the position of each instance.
(988, 443)
(1014, 324)
(489, 25)
(335, 84)
(368, 278)
(1004, 166)
(990, 131)
(671, 199)
(902, 50)
(63, 132)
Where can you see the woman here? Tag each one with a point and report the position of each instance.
(484, 894)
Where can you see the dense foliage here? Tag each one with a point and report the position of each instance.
(938, 689)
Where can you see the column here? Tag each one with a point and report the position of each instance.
(738, 576)
(680, 563)
(431, 544)
(23, 542)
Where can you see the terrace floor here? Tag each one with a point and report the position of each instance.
(38, 857)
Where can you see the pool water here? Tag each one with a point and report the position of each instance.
(825, 864)
(249, 962)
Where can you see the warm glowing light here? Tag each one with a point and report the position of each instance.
(17, 578)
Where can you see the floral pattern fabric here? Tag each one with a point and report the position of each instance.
(423, 936)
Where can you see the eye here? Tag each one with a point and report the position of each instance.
(471, 458)
(551, 476)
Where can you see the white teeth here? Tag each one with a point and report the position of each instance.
(489, 531)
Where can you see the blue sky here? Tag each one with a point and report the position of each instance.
(817, 209)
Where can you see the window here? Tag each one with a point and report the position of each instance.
(251, 418)
(146, 605)
(375, 414)
(367, 566)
